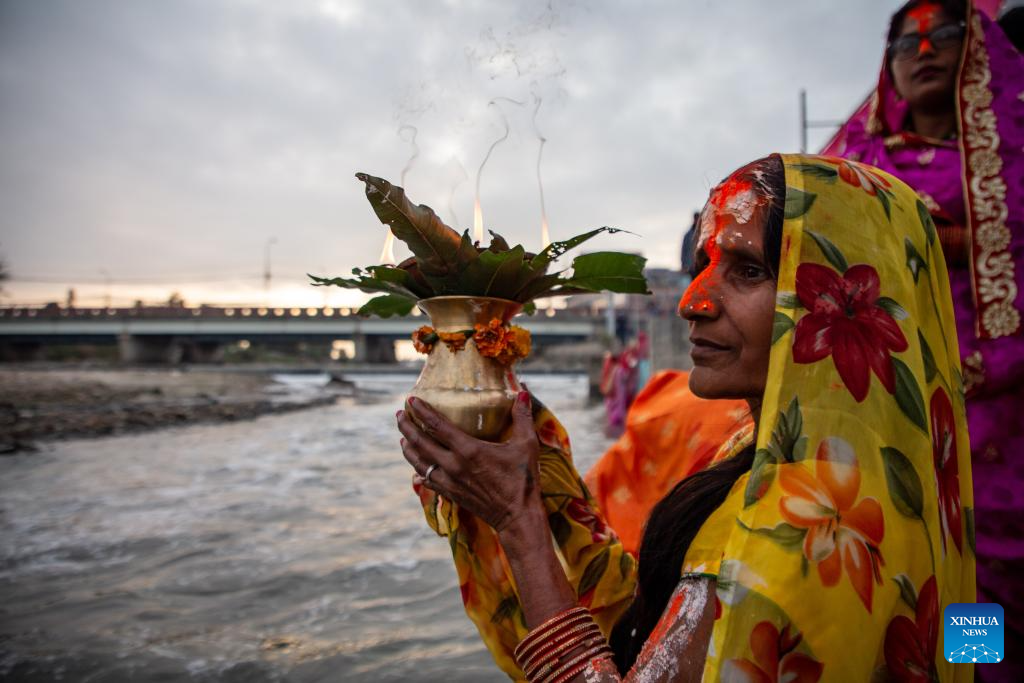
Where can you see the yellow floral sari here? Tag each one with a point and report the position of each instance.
(835, 555)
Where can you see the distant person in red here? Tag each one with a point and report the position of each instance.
(622, 376)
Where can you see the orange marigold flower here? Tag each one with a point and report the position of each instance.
(455, 341)
(491, 339)
(423, 339)
(518, 345)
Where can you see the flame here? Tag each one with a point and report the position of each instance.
(545, 235)
(478, 222)
(387, 254)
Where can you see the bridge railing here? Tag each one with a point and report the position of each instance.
(55, 312)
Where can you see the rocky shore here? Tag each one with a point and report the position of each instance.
(57, 403)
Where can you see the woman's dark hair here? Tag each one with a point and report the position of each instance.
(954, 9)
(676, 519)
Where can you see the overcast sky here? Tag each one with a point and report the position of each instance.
(163, 144)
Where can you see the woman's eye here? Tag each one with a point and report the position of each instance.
(749, 271)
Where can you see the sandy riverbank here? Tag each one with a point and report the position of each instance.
(56, 403)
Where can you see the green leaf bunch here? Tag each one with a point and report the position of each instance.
(445, 263)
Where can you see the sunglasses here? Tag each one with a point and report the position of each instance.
(943, 37)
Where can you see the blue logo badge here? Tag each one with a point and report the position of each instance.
(973, 632)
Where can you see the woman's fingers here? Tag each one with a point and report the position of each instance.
(431, 451)
(439, 427)
(522, 417)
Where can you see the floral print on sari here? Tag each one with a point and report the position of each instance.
(837, 532)
(843, 533)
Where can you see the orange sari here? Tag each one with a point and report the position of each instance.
(670, 434)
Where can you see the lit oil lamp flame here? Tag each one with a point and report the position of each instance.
(478, 222)
(387, 254)
(545, 235)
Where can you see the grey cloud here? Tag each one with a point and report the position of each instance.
(163, 138)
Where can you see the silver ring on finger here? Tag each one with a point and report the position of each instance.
(430, 470)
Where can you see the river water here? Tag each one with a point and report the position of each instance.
(288, 548)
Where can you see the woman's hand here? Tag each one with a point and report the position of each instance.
(497, 482)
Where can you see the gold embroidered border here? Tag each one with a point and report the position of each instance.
(995, 287)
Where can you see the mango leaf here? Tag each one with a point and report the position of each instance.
(467, 251)
(492, 274)
(904, 484)
(555, 249)
(538, 287)
(908, 395)
(786, 535)
(410, 266)
(783, 324)
(402, 278)
(891, 307)
(930, 369)
(926, 221)
(593, 573)
(907, 590)
(798, 202)
(914, 260)
(762, 474)
(560, 528)
(498, 243)
(608, 271)
(817, 171)
(393, 281)
(435, 245)
(388, 305)
(831, 251)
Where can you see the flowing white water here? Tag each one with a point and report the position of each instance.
(288, 548)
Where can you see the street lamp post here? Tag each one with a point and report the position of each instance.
(266, 270)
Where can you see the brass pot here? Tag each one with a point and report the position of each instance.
(474, 392)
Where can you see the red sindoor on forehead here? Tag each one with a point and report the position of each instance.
(924, 15)
(697, 294)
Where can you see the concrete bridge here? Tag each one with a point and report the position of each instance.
(171, 334)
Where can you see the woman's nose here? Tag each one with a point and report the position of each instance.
(925, 47)
(698, 301)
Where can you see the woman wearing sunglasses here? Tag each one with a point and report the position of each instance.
(947, 118)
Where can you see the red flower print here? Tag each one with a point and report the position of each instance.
(947, 471)
(579, 511)
(910, 645)
(862, 177)
(845, 321)
(552, 434)
(775, 659)
(841, 533)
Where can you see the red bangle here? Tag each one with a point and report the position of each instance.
(548, 628)
(552, 660)
(579, 668)
(576, 633)
(582, 658)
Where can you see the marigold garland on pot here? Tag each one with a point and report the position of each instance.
(505, 344)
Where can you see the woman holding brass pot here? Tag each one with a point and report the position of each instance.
(823, 542)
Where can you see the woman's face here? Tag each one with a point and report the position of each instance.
(731, 302)
(927, 79)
